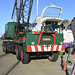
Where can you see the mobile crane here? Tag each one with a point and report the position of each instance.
(26, 41)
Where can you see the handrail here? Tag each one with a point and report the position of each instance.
(53, 6)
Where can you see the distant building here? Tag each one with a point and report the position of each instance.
(70, 25)
(73, 26)
(66, 23)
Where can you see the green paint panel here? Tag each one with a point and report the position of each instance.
(32, 38)
(10, 30)
(47, 40)
(59, 38)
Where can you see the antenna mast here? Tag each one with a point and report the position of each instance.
(37, 7)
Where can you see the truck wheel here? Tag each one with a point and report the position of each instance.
(18, 53)
(5, 49)
(25, 57)
(53, 57)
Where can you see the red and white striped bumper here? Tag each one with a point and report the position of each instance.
(45, 48)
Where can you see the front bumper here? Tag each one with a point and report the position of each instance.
(45, 48)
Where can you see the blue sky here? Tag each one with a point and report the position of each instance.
(6, 8)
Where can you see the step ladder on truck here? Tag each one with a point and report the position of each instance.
(68, 64)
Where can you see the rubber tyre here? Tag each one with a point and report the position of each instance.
(18, 52)
(25, 57)
(53, 57)
(5, 48)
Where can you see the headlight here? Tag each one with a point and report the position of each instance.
(33, 43)
(61, 43)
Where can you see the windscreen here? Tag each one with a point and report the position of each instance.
(57, 29)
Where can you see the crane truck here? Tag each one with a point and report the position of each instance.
(44, 37)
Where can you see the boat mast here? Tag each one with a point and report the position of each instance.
(37, 8)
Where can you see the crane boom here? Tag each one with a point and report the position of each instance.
(15, 6)
(23, 12)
